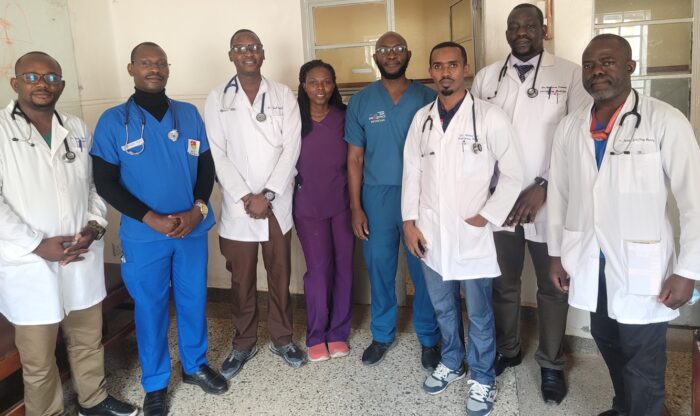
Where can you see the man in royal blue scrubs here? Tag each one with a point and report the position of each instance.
(376, 123)
(158, 172)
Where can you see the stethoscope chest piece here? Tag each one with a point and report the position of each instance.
(69, 156)
(261, 117)
(476, 148)
(532, 92)
(173, 135)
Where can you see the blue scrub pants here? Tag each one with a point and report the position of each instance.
(481, 335)
(382, 205)
(149, 271)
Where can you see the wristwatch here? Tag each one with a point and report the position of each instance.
(541, 182)
(269, 195)
(97, 228)
(203, 208)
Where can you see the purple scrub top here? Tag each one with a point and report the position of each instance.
(322, 181)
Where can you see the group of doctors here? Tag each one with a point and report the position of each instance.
(569, 161)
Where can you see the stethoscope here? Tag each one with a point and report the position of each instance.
(68, 157)
(173, 134)
(638, 120)
(233, 82)
(476, 146)
(532, 91)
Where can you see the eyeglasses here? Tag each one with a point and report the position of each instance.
(33, 77)
(253, 47)
(149, 64)
(399, 49)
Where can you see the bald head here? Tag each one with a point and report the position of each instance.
(392, 37)
(33, 56)
(619, 43)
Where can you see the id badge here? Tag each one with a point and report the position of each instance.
(193, 147)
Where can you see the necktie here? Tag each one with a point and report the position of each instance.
(523, 70)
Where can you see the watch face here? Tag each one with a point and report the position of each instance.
(269, 195)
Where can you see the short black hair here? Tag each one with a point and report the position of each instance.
(448, 44)
(622, 42)
(540, 16)
(26, 55)
(239, 31)
(136, 48)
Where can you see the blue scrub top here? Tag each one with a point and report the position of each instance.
(163, 176)
(375, 123)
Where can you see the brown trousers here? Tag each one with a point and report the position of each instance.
(552, 305)
(242, 261)
(82, 331)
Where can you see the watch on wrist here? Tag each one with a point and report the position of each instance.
(269, 195)
(97, 228)
(203, 208)
(540, 181)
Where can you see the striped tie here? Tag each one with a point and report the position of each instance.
(523, 70)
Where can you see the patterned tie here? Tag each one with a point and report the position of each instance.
(523, 70)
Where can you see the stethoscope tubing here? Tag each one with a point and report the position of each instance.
(69, 156)
(476, 146)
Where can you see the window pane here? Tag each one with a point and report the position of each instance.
(673, 91)
(351, 64)
(636, 10)
(331, 24)
(630, 31)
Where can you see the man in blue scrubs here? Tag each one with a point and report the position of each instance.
(158, 172)
(376, 123)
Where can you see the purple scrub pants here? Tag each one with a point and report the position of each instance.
(328, 250)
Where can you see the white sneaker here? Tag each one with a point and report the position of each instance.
(442, 377)
(481, 398)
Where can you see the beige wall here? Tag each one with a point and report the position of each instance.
(195, 35)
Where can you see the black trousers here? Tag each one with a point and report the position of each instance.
(635, 356)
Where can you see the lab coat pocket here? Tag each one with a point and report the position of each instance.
(644, 267)
(474, 242)
(639, 182)
(638, 173)
(474, 165)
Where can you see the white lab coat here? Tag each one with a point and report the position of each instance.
(251, 156)
(622, 209)
(42, 196)
(445, 182)
(534, 119)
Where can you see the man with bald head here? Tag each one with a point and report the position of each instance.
(153, 164)
(610, 237)
(255, 131)
(51, 253)
(376, 123)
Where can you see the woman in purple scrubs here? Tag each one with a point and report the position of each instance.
(322, 213)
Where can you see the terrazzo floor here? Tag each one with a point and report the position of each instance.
(267, 386)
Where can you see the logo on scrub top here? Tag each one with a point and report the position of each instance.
(378, 117)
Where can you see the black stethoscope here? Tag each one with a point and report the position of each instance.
(233, 82)
(476, 146)
(173, 134)
(638, 120)
(68, 157)
(532, 91)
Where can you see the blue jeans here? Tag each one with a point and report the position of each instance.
(481, 336)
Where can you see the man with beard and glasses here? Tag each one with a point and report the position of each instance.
(153, 164)
(376, 123)
(609, 233)
(452, 149)
(535, 114)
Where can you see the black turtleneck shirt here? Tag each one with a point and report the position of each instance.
(106, 175)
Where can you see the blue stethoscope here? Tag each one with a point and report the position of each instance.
(531, 92)
(476, 146)
(173, 134)
(638, 120)
(68, 157)
(233, 82)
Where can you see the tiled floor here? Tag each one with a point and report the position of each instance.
(266, 386)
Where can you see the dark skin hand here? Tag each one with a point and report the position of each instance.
(414, 239)
(676, 291)
(527, 205)
(81, 243)
(52, 249)
(187, 221)
(257, 206)
(558, 276)
(163, 224)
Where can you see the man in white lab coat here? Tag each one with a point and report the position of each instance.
(609, 234)
(254, 131)
(51, 255)
(451, 152)
(536, 90)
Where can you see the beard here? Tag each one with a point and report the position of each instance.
(398, 74)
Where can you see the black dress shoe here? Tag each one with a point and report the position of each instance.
(502, 362)
(553, 385)
(430, 357)
(207, 379)
(154, 403)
